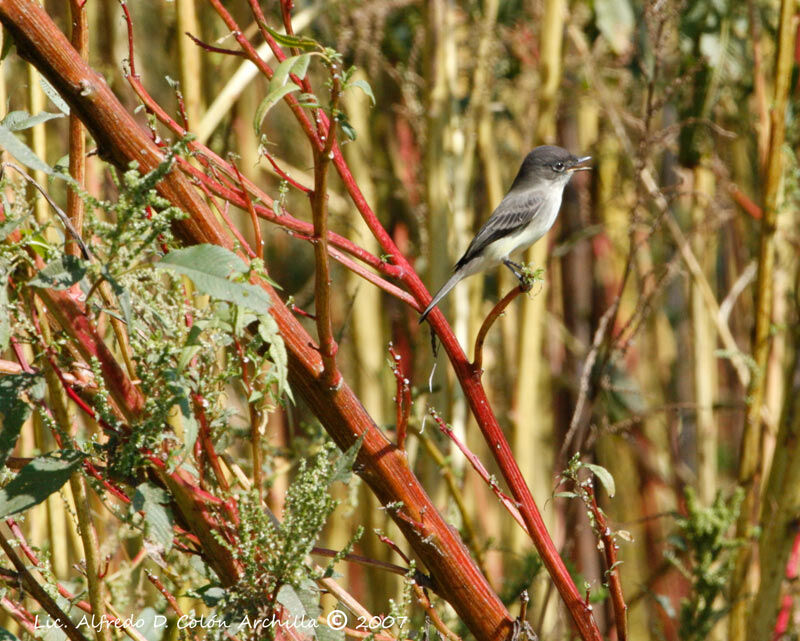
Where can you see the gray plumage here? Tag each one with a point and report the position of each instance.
(525, 214)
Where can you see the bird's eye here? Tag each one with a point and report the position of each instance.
(559, 166)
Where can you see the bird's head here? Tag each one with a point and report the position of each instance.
(549, 164)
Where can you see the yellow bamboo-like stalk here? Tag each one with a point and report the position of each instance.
(368, 342)
(779, 511)
(91, 552)
(189, 59)
(77, 137)
(368, 345)
(750, 453)
(704, 342)
(38, 141)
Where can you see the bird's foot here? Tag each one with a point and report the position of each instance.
(527, 275)
(515, 268)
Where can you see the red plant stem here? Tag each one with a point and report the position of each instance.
(322, 279)
(391, 544)
(73, 317)
(479, 468)
(253, 216)
(23, 618)
(255, 436)
(376, 280)
(224, 215)
(213, 49)
(612, 567)
(207, 444)
(746, 203)
(77, 140)
(284, 175)
(284, 220)
(170, 598)
(252, 54)
(785, 614)
(35, 590)
(402, 398)
(497, 310)
(29, 553)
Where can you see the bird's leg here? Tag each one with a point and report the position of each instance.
(515, 268)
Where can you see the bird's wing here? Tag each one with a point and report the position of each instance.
(513, 213)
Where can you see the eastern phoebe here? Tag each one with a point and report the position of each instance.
(527, 213)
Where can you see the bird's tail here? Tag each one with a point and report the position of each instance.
(445, 289)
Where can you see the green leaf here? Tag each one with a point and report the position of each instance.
(615, 21)
(211, 594)
(565, 495)
(365, 87)
(604, 476)
(40, 478)
(297, 65)
(8, 42)
(210, 268)
(324, 633)
(54, 96)
(270, 101)
(22, 152)
(299, 42)
(14, 411)
(61, 273)
(158, 521)
(344, 464)
(191, 347)
(5, 635)
(288, 598)
(10, 225)
(269, 333)
(5, 312)
(19, 120)
(123, 297)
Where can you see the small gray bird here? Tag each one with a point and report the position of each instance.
(527, 213)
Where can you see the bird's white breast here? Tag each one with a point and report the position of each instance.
(539, 225)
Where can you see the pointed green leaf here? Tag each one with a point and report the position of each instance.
(210, 268)
(299, 42)
(616, 22)
(10, 225)
(158, 520)
(19, 120)
(270, 101)
(5, 311)
(22, 152)
(61, 273)
(40, 478)
(123, 297)
(604, 476)
(14, 410)
(365, 87)
(268, 330)
(344, 464)
(297, 65)
(54, 96)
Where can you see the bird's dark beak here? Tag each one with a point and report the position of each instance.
(581, 164)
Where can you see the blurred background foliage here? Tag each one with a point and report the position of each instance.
(636, 349)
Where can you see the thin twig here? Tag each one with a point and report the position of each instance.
(497, 310)
(480, 469)
(586, 376)
(319, 210)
